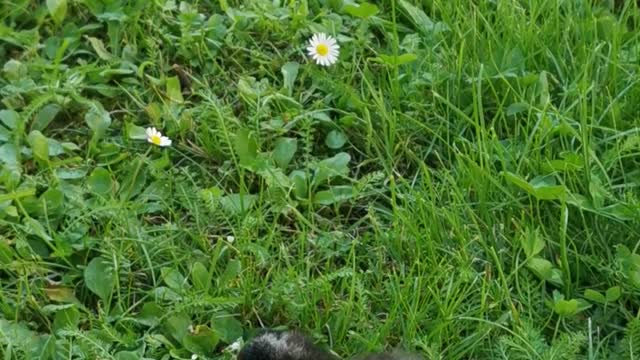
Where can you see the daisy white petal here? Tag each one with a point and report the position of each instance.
(155, 137)
(323, 49)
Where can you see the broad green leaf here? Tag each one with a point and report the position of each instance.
(199, 276)
(594, 296)
(228, 328)
(566, 308)
(246, 147)
(545, 188)
(201, 341)
(39, 145)
(66, 319)
(334, 195)
(392, 60)
(52, 200)
(45, 116)
(163, 293)
(6, 253)
(150, 314)
(100, 182)
(300, 184)
(98, 47)
(98, 119)
(335, 139)
(285, 149)
(10, 118)
(33, 226)
(174, 90)
(136, 132)
(57, 10)
(173, 278)
(233, 269)
(61, 294)
(9, 154)
(518, 181)
(177, 326)
(532, 243)
(127, 355)
(331, 167)
(237, 203)
(421, 21)
(613, 293)
(289, 74)
(541, 267)
(99, 278)
(517, 108)
(5, 134)
(363, 10)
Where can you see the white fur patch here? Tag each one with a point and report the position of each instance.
(282, 343)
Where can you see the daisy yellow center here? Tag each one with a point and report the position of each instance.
(155, 139)
(322, 49)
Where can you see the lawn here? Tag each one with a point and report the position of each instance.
(463, 182)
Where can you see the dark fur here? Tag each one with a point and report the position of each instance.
(292, 345)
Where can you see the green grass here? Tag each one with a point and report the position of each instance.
(462, 183)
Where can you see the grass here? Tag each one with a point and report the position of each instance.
(463, 183)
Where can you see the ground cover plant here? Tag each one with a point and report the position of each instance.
(461, 180)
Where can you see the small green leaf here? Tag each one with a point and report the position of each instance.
(173, 278)
(199, 276)
(246, 147)
(335, 139)
(613, 294)
(289, 74)
(99, 278)
(10, 118)
(594, 296)
(363, 10)
(57, 9)
(285, 149)
(174, 91)
(233, 269)
(100, 182)
(202, 341)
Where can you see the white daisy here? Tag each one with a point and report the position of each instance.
(324, 49)
(155, 137)
(231, 238)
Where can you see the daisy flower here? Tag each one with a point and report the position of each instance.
(155, 137)
(324, 49)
